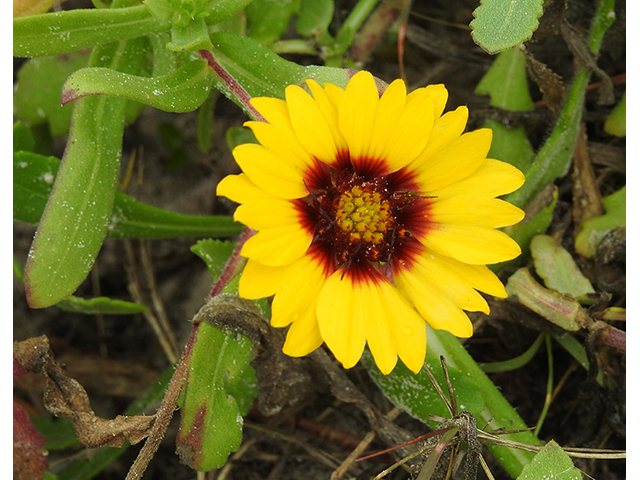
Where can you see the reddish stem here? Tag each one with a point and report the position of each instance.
(165, 410)
(234, 264)
(615, 338)
(232, 84)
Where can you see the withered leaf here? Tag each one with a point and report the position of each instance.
(66, 398)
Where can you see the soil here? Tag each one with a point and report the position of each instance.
(116, 358)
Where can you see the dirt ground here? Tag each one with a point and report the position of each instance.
(116, 358)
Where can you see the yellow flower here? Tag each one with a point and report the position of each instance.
(373, 215)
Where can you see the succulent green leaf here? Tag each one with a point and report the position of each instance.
(315, 17)
(70, 30)
(261, 72)
(510, 145)
(506, 82)
(415, 393)
(594, 230)
(555, 307)
(133, 219)
(78, 211)
(484, 400)
(100, 305)
(214, 253)
(616, 122)
(183, 90)
(556, 267)
(36, 97)
(33, 177)
(22, 138)
(239, 135)
(551, 462)
(538, 217)
(211, 425)
(268, 20)
(502, 24)
(190, 37)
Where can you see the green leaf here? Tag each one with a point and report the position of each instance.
(131, 218)
(268, 20)
(538, 217)
(260, 72)
(214, 253)
(502, 24)
(33, 177)
(102, 305)
(556, 267)
(315, 17)
(78, 212)
(506, 82)
(424, 399)
(36, 98)
(238, 136)
(492, 408)
(616, 123)
(211, 426)
(59, 432)
(592, 231)
(555, 307)
(510, 145)
(191, 37)
(552, 463)
(183, 90)
(22, 138)
(70, 30)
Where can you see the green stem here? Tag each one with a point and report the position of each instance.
(554, 159)
(547, 399)
(514, 363)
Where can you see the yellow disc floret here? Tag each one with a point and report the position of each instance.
(363, 214)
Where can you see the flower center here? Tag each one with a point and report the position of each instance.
(363, 215)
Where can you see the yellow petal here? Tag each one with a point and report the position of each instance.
(471, 244)
(237, 188)
(459, 160)
(283, 144)
(260, 281)
(467, 210)
(492, 178)
(277, 246)
(401, 129)
(341, 326)
(270, 172)
(255, 202)
(335, 93)
(303, 336)
(388, 112)
(299, 293)
(404, 334)
(479, 277)
(443, 281)
(438, 96)
(356, 112)
(329, 108)
(440, 312)
(311, 126)
(445, 131)
(274, 111)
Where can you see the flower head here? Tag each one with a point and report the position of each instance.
(373, 215)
